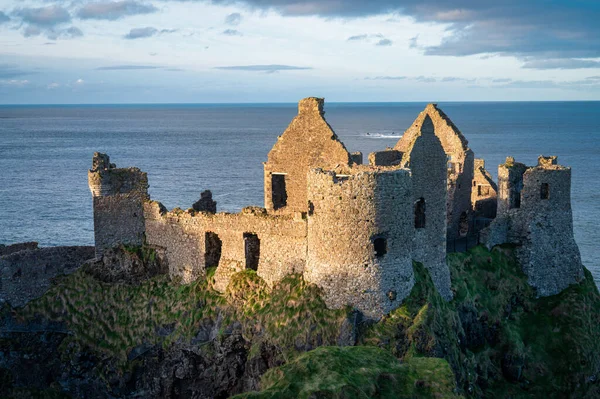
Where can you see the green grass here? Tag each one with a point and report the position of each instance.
(359, 372)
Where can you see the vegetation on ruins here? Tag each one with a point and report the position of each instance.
(495, 338)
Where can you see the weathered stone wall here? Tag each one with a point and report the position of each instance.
(510, 184)
(360, 238)
(308, 142)
(21, 246)
(542, 226)
(387, 157)
(26, 274)
(426, 159)
(460, 164)
(181, 237)
(484, 199)
(118, 197)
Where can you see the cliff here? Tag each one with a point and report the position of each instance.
(150, 338)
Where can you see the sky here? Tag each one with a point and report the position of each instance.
(238, 51)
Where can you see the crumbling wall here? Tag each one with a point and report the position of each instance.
(360, 237)
(181, 237)
(426, 159)
(388, 157)
(542, 224)
(460, 163)
(118, 197)
(484, 199)
(26, 274)
(308, 142)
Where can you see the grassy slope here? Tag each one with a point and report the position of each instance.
(497, 337)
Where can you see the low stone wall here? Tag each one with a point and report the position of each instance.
(26, 275)
(9, 249)
(181, 235)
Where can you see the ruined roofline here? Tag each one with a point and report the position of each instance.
(487, 176)
(544, 162)
(161, 211)
(309, 107)
(450, 124)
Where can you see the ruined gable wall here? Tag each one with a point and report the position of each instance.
(118, 197)
(510, 184)
(346, 215)
(427, 162)
(181, 235)
(308, 142)
(484, 193)
(460, 174)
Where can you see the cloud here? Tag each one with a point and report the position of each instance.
(127, 67)
(13, 82)
(232, 32)
(561, 64)
(53, 86)
(43, 16)
(233, 19)
(384, 42)
(113, 10)
(413, 42)
(263, 68)
(138, 33)
(535, 28)
(386, 78)
(9, 71)
(79, 81)
(69, 33)
(357, 37)
(149, 31)
(4, 17)
(379, 39)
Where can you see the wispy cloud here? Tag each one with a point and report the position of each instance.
(8, 71)
(386, 78)
(232, 32)
(233, 19)
(113, 10)
(561, 64)
(127, 67)
(43, 16)
(384, 42)
(263, 68)
(149, 31)
(357, 37)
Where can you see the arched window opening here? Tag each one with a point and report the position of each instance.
(420, 213)
(545, 191)
(212, 249)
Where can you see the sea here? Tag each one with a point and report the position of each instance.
(46, 150)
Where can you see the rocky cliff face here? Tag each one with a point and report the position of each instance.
(147, 337)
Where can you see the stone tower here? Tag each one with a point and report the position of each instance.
(534, 212)
(360, 238)
(118, 200)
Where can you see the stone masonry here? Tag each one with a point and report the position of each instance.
(460, 165)
(534, 212)
(352, 229)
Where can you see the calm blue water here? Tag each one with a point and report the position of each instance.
(45, 152)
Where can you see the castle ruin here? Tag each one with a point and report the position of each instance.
(353, 229)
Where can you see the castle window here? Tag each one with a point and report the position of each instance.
(252, 250)
(420, 213)
(278, 190)
(212, 249)
(545, 191)
(380, 246)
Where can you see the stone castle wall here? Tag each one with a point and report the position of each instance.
(460, 165)
(534, 212)
(426, 159)
(118, 197)
(181, 237)
(360, 238)
(308, 142)
(484, 201)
